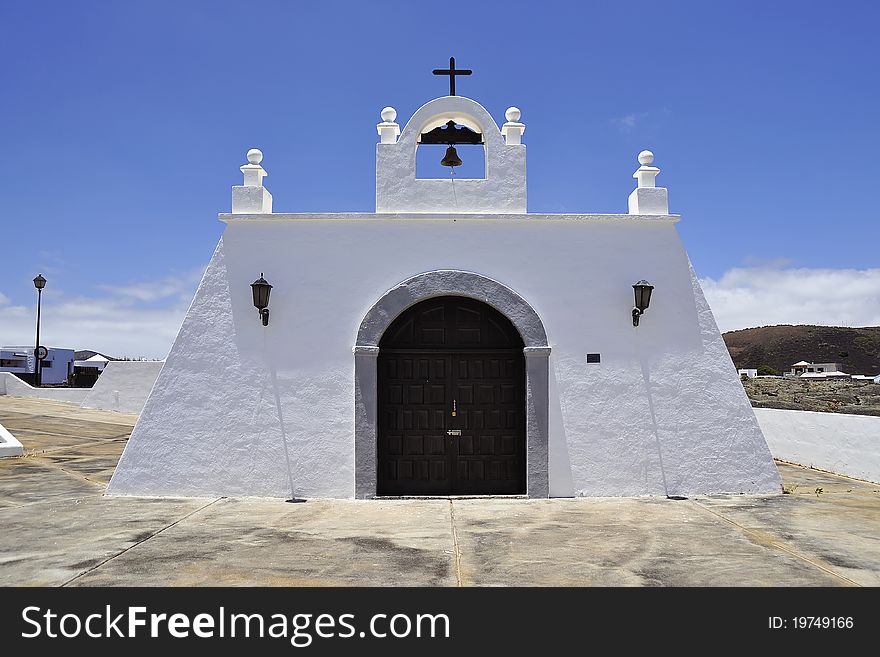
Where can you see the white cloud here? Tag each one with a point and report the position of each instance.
(140, 319)
(628, 122)
(170, 287)
(761, 296)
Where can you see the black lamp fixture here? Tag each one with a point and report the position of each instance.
(39, 283)
(261, 290)
(642, 291)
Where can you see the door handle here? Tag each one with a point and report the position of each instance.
(454, 408)
(453, 432)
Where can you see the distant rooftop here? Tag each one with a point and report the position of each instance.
(86, 354)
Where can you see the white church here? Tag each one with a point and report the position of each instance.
(449, 343)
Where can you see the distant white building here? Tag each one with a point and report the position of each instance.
(18, 360)
(87, 370)
(803, 367)
(748, 372)
(56, 367)
(97, 362)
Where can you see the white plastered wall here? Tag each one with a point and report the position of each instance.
(242, 409)
(837, 442)
(13, 386)
(123, 386)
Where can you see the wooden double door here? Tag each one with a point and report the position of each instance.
(451, 395)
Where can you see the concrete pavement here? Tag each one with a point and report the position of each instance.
(59, 529)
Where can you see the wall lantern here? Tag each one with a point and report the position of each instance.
(642, 291)
(261, 289)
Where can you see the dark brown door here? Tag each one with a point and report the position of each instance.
(451, 395)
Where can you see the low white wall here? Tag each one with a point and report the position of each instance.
(123, 386)
(846, 444)
(9, 445)
(14, 387)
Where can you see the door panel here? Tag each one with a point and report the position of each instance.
(490, 453)
(413, 450)
(451, 364)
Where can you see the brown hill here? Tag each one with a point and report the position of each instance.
(778, 347)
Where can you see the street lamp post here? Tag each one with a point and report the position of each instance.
(39, 283)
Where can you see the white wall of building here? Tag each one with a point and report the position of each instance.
(846, 444)
(816, 368)
(241, 409)
(56, 367)
(123, 386)
(17, 361)
(14, 387)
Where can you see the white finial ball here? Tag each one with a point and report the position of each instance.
(255, 156)
(646, 158)
(389, 114)
(512, 114)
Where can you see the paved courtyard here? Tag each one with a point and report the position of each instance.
(59, 529)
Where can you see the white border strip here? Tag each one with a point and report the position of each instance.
(9, 445)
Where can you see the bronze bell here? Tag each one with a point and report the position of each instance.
(451, 159)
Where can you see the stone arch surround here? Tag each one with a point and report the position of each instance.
(451, 282)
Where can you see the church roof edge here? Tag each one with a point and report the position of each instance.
(444, 216)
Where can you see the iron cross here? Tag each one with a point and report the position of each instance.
(452, 72)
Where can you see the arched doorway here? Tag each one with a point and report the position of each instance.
(451, 402)
(430, 285)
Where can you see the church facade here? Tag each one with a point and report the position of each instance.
(451, 343)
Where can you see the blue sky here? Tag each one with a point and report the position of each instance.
(125, 124)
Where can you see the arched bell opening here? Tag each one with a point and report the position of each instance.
(429, 164)
(463, 153)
